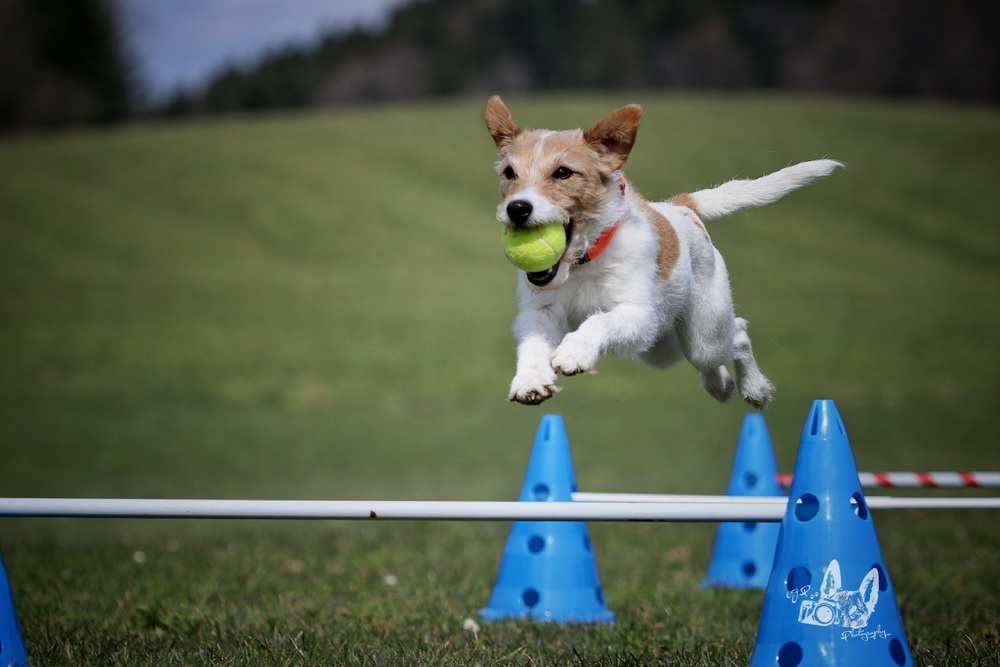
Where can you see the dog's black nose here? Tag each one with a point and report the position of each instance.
(519, 211)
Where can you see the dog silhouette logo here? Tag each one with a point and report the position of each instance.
(837, 607)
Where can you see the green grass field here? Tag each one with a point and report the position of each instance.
(316, 306)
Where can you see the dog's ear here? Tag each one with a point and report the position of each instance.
(869, 589)
(500, 123)
(614, 135)
(831, 580)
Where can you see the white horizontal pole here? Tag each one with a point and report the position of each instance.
(590, 497)
(654, 508)
(748, 510)
(874, 502)
(893, 503)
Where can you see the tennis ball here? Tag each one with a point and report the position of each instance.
(534, 249)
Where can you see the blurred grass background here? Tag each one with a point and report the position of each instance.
(315, 305)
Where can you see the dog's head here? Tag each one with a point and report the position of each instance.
(567, 176)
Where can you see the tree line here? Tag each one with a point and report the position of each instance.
(913, 48)
(63, 61)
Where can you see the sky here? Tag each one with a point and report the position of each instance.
(183, 43)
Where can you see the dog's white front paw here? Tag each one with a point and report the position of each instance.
(575, 355)
(533, 387)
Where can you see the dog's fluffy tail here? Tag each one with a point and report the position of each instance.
(734, 195)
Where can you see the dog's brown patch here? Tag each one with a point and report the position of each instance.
(669, 250)
(685, 200)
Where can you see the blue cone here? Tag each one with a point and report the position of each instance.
(744, 552)
(829, 600)
(548, 571)
(12, 653)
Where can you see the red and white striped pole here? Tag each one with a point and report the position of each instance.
(930, 480)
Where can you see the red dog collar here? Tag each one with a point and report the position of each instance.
(604, 239)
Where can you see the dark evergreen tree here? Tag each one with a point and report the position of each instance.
(62, 62)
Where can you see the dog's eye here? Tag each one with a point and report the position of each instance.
(562, 173)
(509, 174)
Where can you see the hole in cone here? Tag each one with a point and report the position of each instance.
(806, 507)
(897, 652)
(798, 579)
(789, 655)
(859, 506)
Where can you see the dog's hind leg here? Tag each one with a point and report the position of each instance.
(753, 386)
(707, 329)
(710, 358)
(718, 383)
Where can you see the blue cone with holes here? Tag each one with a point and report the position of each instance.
(12, 653)
(829, 600)
(744, 552)
(548, 571)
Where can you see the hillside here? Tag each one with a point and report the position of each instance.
(317, 289)
(316, 306)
